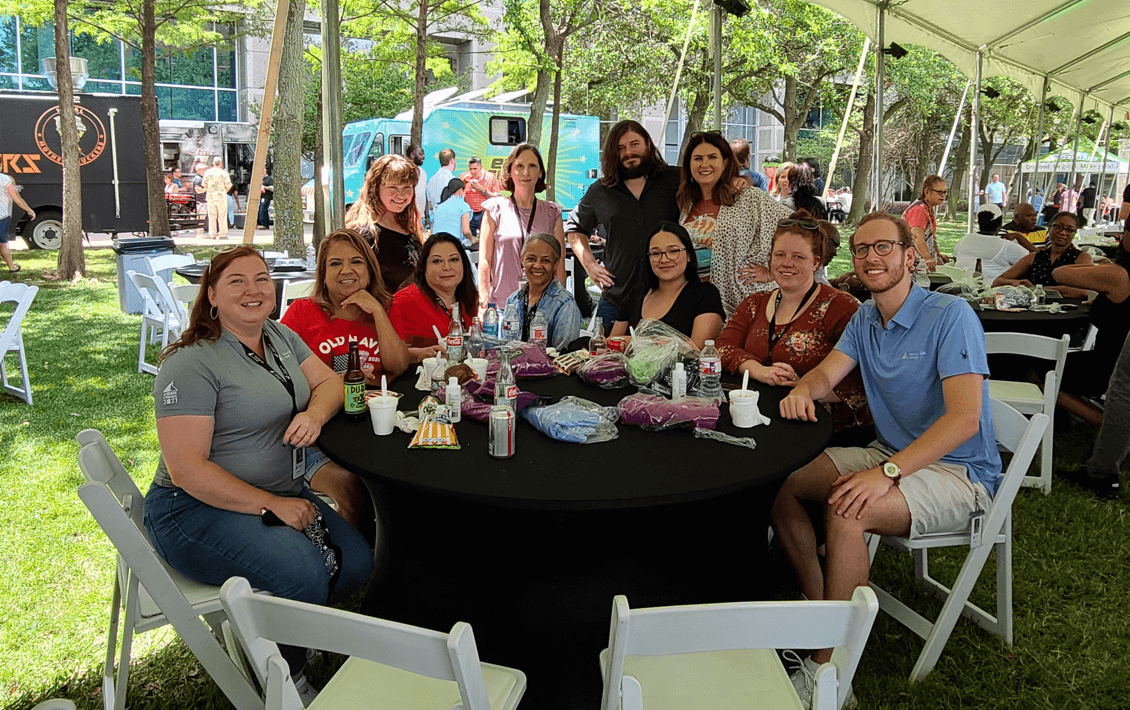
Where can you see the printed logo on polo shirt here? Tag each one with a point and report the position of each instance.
(913, 356)
(169, 394)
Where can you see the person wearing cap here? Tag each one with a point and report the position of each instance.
(985, 251)
(453, 214)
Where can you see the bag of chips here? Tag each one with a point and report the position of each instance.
(436, 430)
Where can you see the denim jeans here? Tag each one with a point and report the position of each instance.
(1113, 442)
(476, 222)
(607, 313)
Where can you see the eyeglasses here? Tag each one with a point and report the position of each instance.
(1064, 229)
(671, 254)
(802, 223)
(943, 193)
(882, 248)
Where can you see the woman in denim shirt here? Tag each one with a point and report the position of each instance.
(542, 293)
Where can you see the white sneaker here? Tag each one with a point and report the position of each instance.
(306, 690)
(803, 675)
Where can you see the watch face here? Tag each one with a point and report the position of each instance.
(890, 470)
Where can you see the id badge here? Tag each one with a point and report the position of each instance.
(298, 461)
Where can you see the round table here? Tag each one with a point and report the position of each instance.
(531, 550)
(1052, 325)
(193, 272)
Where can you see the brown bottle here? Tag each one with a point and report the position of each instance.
(354, 385)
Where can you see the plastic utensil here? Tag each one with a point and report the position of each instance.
(745, 381)
(384, 387)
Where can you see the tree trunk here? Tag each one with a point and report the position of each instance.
(421, 73)
(792, 124)
(150, 126)
(537, 106)
(960, 160)
(319, 195)
(288, 136)
(695, 116)
(72, 260)
(555, 124)
(863, 165)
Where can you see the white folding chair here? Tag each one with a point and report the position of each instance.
(161, 317)
(723, 655)
(1026, 397)
(1021, 436)
(152, 593)
(391, 666)
(184, 295)
(12, 338)
(294, 290)
(162, 266)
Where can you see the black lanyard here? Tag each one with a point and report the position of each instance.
(530, 311)
(283, 377)
(775, 338)
(530, 221)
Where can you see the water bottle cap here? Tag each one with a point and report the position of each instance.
(709, 342)
(453, 381)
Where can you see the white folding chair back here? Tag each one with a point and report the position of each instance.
(162, 266)
(1021, 436)
(12, 337)
(161, 318)
(723, 655)
(1026, 397)
(152, 593)
(391, 666)
(954, 272)
(184, 295)
(294, 290)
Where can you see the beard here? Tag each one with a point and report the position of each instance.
(646, 165)
(887, 281)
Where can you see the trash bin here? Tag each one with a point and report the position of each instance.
(133, 255)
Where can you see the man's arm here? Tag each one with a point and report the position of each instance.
(816, 385)
(18, 199)
(581, 223)
(1105, 278)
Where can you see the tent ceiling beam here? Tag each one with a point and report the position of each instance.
(1032, 23)
(1088, 55)
(1111, 80)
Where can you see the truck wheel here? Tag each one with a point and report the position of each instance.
(45, 231)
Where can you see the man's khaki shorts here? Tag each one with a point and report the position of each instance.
(941, 497)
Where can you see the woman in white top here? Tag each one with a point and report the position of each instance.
(994, 254)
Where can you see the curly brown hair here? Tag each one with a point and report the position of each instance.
(725, 193)
(321, 294)
(824, 240)
(368, 209)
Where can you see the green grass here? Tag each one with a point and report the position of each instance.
(1072, 589)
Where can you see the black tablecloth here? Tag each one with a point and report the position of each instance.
(1052, 325)
(193, 272)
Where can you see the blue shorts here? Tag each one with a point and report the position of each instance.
(315, 459)
(4, 230)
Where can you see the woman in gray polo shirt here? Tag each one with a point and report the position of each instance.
(238, 399)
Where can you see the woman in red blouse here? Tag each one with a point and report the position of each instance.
(443, 278)
(778, 336)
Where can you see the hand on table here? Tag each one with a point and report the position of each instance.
(854, 491)
(782, 374)
(798, 405)
(303, 430)
(297, 513)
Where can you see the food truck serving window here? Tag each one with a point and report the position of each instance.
(507, 131)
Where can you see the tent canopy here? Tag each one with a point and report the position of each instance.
(1089, 159)
(1081, 46)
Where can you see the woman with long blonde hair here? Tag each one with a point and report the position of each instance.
(385, 214)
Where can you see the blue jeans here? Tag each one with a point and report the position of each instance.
(607, 313)
(476, 222)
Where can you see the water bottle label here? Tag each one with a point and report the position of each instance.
(710, 366)
(539, 334)
(355, 398)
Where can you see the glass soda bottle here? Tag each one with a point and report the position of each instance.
(455, 351)
(474, 339)
(597, 343)
(539, 330)
(505, 388)
(354, 385)
(710, 372)
(490, 321)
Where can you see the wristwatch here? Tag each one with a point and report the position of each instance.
(892, 471)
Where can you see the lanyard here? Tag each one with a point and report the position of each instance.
(530, 221)
(283, 377)
(531, 311)
(774, 339)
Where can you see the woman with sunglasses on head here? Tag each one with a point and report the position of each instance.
(443, 279)
(778, 336)
(924, 223)
(385, 215)
(672, 291)
(720, 211)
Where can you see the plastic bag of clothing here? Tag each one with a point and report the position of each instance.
(575, 420)
(656, 413)
(608, 371)
(527, 360)
(654, 350)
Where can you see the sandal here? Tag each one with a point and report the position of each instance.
(15, 268)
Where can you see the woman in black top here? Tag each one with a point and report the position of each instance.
(1037, 267)
(1088, 373)
(385, 214)
(672, 291)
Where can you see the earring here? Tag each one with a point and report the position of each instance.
(213, 313)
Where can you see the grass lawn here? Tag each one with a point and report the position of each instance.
(1072, 588)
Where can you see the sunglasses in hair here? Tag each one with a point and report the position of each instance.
(802, 223)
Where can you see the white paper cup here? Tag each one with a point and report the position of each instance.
(479, 365)
(383, 413)
(743, 408)
(429, 367)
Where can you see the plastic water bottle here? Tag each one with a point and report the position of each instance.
(1039, 294)
(311, 258)
(678, 382)
(455, 351)
(453, 397)
(474, 339)
(710, 372)
(490, 321)
(511, 326)
(597, 343)
(539, 330)
(505, 389)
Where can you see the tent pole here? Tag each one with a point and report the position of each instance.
(679, 71)
(262, 137)
(1039, 140)
(973, 128)
(847, 115)
(334, 217)
(1105, 156)
(879, 70)
(716, 39)
(953, 131)
(1075, 151)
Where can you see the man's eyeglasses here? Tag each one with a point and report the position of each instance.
(671, 254)
(802, 223)
(882, 247)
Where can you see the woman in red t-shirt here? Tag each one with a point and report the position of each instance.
(443, 279)
(349, 303)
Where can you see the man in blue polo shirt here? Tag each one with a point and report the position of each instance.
(935, 461)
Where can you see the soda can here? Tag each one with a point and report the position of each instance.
(500, 441)
(617, 343)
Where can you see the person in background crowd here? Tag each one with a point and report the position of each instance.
(200, 195)
(1022, 228)
(799, 191)
(996, 192)
(924, 223)
(1124, 208)
(778, 336)
(1087, 204)
(509, 221)
(385, 214)
(216, 183)
(780, 187)
(1071, 198)
(416, 154)
(239, 399)
(170, 187)
(453, 215)
(233, 205)
(671, 291)
(1037, 202)
(481, 186)
(1037, 267)
(1054, 203)
(543, 293)
(635, 192)
(439, 182)
(177, 179)
(1102, 472)
(985, 251)
(10, 194)
(845, 198)
(722, 213)
(817, 177)
(770, 166)
(740, 146)
(934, 463)
(266, 194)
(443, 278)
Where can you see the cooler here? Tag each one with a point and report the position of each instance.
(133, 255)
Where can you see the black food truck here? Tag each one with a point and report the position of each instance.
(112, 160)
